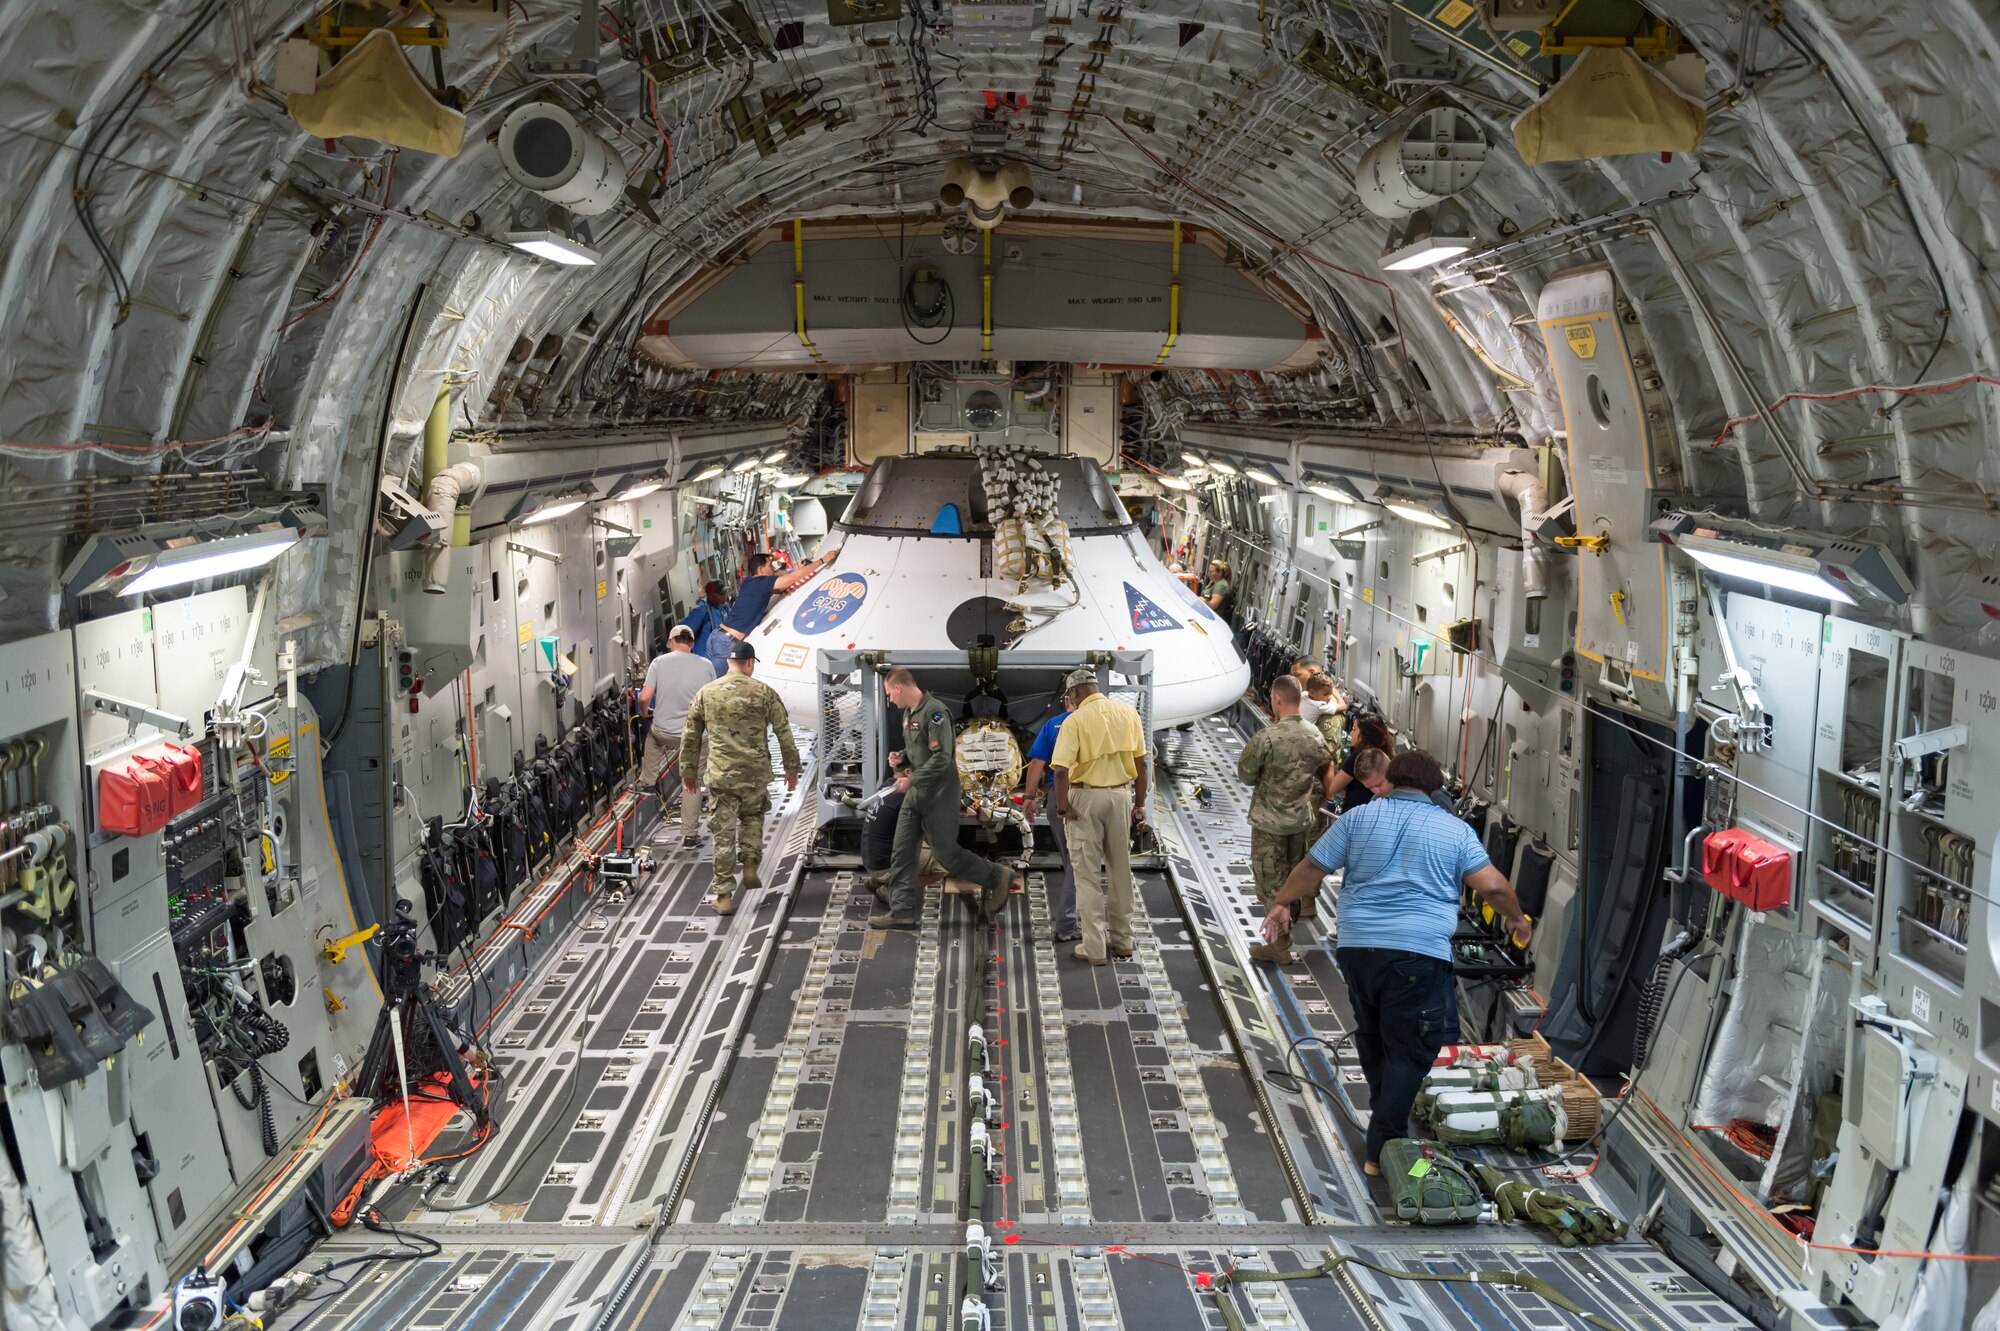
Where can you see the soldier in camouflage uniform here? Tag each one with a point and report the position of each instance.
(724, 747)
(1280, 764)
(930, 811)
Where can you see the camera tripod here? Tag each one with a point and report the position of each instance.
(414, 1031)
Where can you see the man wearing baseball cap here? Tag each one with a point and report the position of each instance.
(706, 617)
(672, 680)
(1100, 767)
(726, 748)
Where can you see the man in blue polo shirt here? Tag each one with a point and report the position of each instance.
(1403, 859)
(753, 596)
(1062, 902)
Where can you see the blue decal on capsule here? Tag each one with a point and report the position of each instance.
(831, 604)
(1147, 617)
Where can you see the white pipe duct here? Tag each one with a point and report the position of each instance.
(1525, 489)
(442, 498)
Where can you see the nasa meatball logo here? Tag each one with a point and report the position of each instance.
(831, 604)
(1147, 617)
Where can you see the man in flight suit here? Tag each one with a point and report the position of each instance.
(930, 811)
(724, 746)
(1281, 764)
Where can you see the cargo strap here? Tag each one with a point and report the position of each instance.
(1542, 1289)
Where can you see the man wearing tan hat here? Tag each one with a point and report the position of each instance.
(1100, 767)
(672, 680)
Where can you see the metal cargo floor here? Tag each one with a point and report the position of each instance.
(761, 1121)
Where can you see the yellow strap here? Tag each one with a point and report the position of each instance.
(799, 287)
(1173, 303)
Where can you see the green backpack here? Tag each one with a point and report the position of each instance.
(1428, 1186)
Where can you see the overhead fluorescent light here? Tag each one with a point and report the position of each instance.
(1173, 482)
(1219, 465)
(637, 485)
(195, 559)
(553, 246)
(704, 471)
(1423, 512)
(1428, 238)
(1261, 476)
(743, 464)
(1771, 574)
(1193, 461)
(775, 456)
(555, 508)
(1833, 568)
(1340, 492)
(790, 480)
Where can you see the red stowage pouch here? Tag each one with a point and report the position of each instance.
(181, 769)
(132, 798)
(1748, 869)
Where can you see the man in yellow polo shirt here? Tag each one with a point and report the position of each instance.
(1100, 768)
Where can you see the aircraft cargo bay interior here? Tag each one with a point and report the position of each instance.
(999, 665)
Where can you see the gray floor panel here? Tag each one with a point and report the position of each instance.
(1176, 1058)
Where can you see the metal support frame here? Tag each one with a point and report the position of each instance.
(136, 714)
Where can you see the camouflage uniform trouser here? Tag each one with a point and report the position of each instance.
(1273, 856)
(736, 821)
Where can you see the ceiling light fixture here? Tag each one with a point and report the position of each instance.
(1423, 512)
(745, 464)
(137, 563)
(1833, 568)
(1219, 465)
(637, 485)
(1174, 482)
(1262, 476)
(1430, 236)
(775, 456)
(790, 480)
(703, 471)
(558, 506)
(1339, 490)
(1193, 461)
(555, 247)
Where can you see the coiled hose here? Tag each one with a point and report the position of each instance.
(1655, 993)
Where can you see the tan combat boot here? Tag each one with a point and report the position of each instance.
(1275, 954)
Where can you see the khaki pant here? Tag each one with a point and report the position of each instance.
(660, 750)
(1100, 851)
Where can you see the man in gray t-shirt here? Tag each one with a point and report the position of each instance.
(672, 680)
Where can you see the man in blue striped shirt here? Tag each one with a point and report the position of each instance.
(1403, 859)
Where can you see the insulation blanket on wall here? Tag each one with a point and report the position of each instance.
(374, 94)
(1757, 1036)
(1609, 104)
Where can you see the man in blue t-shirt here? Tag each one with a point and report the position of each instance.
(707, 614)
(1062, 902)
(1403, 859)
(753, 596)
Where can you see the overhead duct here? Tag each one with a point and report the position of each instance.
(545, 150)
(986, 193)
(1609, 104)
(443, 488)
(1424, 162)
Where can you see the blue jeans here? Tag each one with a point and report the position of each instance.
(1405, 1010)
(717, 650)
(1062, 896)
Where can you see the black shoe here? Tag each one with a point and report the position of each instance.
(690, 843)
(892, 921)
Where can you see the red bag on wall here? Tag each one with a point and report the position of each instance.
(181, 769)
(132, 798)
(1748, 869)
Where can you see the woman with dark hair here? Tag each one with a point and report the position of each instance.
(1365, 730)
